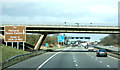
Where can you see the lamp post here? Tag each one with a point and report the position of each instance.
(77, 24)
(65, 23)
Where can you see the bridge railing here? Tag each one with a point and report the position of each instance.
(60, 25)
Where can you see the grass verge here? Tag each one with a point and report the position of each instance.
(8, 52)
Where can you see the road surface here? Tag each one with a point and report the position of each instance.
(68, 60)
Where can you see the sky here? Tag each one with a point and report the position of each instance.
(97, 12)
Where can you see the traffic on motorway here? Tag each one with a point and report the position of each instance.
(73, 59)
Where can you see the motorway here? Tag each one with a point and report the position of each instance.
(68, 60)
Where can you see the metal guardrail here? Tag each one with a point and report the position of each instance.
(60, 25)
(19, 58)
(111, 49)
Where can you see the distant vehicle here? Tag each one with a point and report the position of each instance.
(86, 47)
(73, 45)
(83, 44)
(49, 50)
(79, 45)
(111, 46)
(90, 48)
(101, 52)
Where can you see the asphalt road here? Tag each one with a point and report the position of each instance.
(64, 60)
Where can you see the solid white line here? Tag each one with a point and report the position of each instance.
(46, 61)
(86, 52)
(108, 65)
(113, 57)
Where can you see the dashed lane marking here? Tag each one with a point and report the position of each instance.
(108, 65)
(100, 61)
(76, 65)
(92, 56)
(74, 61)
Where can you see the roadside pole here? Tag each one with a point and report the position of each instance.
(63, 43)
(12, 44)
(17, 45)
(23, 46)
(6, 43)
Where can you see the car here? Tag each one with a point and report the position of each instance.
(111, 46)
(49, 50)
(90, 48)
(86, 47)
(101, 52)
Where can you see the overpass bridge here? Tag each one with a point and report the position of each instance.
(50, 29)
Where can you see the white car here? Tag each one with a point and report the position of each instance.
(90, 48)
(111, 46)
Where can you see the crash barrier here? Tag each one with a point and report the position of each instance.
(19, 58)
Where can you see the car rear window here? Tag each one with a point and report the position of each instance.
(102, 50)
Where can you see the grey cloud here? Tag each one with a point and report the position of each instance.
(44, 9)
(54, 11)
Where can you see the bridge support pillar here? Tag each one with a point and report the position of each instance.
(40, 41)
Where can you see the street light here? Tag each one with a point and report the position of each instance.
(77, 24)
(65, 23)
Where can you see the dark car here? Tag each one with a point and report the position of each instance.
(101, 52)
(49, 50)
(86, 47)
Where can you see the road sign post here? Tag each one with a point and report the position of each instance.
(12, 44)
(47, 45)
(6, 43)
(15, 34)
(23, 46)
(17, 45)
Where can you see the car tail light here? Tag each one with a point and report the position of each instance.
(98, 52)
(105, 52)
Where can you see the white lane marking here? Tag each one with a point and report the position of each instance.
(74, 61)
(76, 65)
(46, 61)
(92, 56)
(73, 56)
(86, 52)
(108, 65)
(96, 58)
(100, 61)
(113, 57)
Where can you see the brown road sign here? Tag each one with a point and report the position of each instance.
(15, 34)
